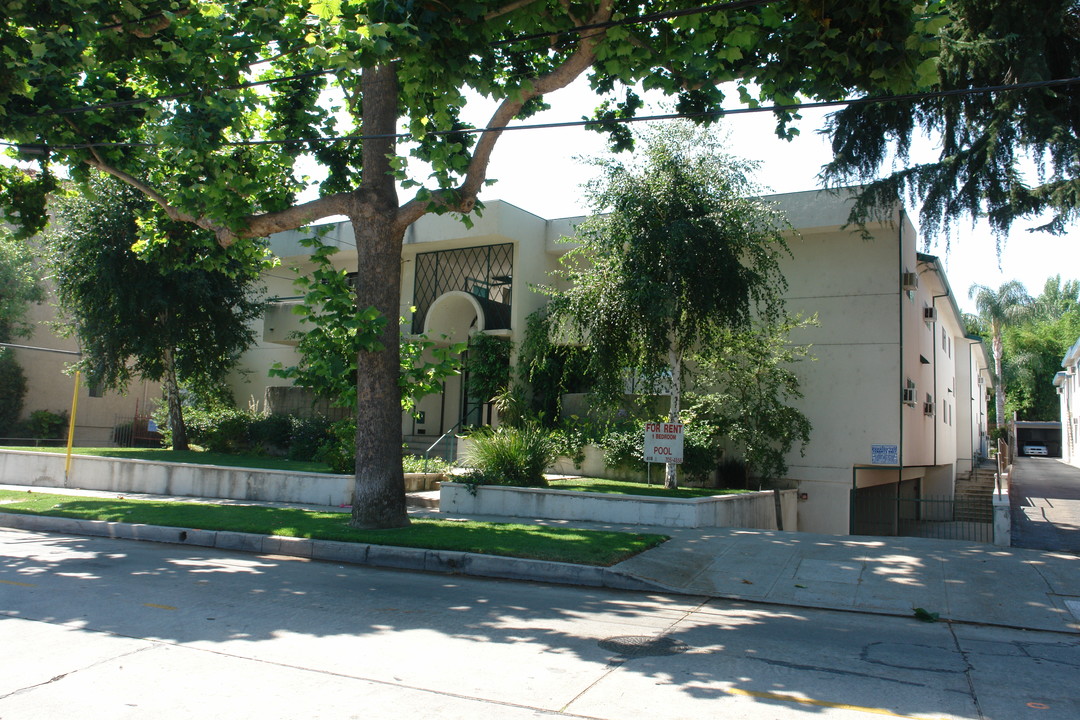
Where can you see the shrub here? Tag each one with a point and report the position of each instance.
(700, 452)
(512, 456)
(45, 425)
(571, 437)
(306, 436)
(623, 448)
(416, 464)
(269, 433)
(999, 433)
(339, 449)
(218, 429)
(12, 390)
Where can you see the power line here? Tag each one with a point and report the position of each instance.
(43, 149)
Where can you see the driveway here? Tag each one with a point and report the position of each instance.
(1045, 498)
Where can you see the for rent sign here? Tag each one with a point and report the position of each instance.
(663, 442)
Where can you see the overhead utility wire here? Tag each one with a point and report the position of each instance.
(41, 149)
(637, 19)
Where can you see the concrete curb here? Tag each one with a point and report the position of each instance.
(380, 556)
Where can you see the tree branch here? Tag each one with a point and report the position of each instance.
(463, 198)
(251, 226)
(508, 8)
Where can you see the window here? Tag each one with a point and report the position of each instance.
(485, 271)
(907, 394)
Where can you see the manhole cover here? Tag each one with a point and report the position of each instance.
(643, 645)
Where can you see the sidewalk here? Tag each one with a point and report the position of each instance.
(965, 582)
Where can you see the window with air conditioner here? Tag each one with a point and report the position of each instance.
(909, 281)
(907, 394)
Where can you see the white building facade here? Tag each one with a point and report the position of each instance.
(896, 392)
(1067, 383)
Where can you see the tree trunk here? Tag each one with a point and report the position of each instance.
(172, 395)
(999, 385)
(379, 492)
(671, 478)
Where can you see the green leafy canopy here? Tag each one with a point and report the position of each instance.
(335, 333)
(209, 109)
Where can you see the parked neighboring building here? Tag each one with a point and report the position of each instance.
(1068, 387)
(897, 393)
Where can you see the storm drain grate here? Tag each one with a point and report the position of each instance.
(643, 645)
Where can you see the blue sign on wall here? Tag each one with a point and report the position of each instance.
(884, 455)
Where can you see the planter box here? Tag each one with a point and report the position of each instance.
(747, 510)
(593, 465)
(45, 470)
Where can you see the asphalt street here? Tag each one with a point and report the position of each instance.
(1044, 495)
(100, 628)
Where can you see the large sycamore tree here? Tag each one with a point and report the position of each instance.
(207, 108)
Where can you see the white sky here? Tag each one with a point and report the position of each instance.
(536, 171)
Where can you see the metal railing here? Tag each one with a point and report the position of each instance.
(32, 442)
(452, 448)
(941, 518)
(1003, 462)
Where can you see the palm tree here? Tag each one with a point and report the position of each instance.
(998, 308)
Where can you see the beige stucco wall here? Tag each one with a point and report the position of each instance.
(870, 337)
(51, 387)
(1068, 386)
(851, 386)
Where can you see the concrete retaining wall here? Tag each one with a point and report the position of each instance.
(185, 479)
(747, 510)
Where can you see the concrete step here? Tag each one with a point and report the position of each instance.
(979, 492)
(425, 499)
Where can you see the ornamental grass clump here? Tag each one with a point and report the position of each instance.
(511, 456)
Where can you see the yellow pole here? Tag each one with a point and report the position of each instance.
(71, 425)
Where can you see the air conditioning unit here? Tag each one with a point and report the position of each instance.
(928, 408)
(908, 396)
(929, 314)
(909, 281)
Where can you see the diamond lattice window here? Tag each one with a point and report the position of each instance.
(485, 271)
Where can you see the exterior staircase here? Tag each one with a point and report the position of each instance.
(974, 494)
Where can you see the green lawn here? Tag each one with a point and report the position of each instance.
(261, 462)
(582, 547)
(625, 487)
